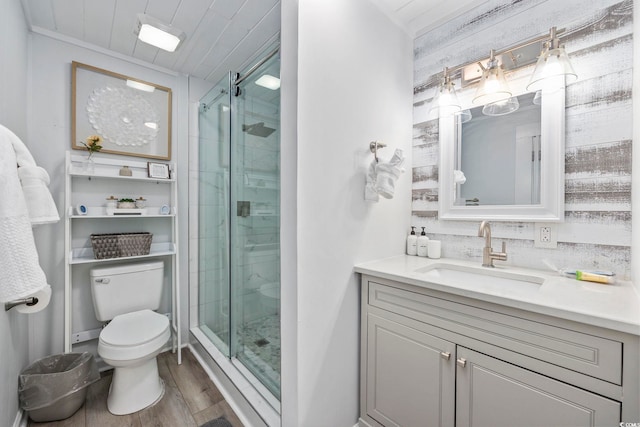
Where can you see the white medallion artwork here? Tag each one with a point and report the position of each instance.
(122, 116)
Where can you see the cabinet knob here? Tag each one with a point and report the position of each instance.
(445, 355)
(462, 362)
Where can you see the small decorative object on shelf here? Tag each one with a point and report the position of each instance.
(126, 204)
(112, 203)
(93, 146)
(141, 202)
(158, 170)
(125, 171)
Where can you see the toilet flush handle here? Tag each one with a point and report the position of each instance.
(103, 281)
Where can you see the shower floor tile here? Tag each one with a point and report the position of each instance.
(259, 341)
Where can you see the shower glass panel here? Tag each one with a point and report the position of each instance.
(213, 224)
(239, 222)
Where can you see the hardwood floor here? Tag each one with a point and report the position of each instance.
(190, 399)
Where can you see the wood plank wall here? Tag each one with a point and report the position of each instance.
(596, 232)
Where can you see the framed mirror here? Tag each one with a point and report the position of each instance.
(132, 116)
(504, 168)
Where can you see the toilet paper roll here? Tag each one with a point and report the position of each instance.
(43, 295)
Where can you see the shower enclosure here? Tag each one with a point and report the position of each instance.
(239, 222)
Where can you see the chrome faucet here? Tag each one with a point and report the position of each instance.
(487, 253)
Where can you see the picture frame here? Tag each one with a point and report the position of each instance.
(158, 170)
(132, 116)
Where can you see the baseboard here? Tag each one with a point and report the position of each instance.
(22, 419)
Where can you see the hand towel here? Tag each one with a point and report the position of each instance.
(34, 181)
(388, 173)
(370, 192)
(20, 272)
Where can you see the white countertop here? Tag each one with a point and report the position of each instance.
(615, 306)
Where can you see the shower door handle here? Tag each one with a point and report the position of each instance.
(244, 209)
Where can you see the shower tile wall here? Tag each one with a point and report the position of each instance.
(596, 232)
(260, 231)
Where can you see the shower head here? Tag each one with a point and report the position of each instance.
(258, 129)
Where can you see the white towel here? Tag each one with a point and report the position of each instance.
(20, 272)
(34, 181)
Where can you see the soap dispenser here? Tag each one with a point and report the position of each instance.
(422, 243)
(412, 243)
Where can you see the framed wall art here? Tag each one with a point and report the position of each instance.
(132, 116)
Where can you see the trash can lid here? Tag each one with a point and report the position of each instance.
(134, 328)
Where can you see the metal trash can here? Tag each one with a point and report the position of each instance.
(55, 387)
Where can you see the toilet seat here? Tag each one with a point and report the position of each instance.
(133, 335)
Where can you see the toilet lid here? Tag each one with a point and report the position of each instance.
(134, 328)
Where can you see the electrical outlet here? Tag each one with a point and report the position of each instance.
(545, 235)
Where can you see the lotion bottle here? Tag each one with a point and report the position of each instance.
(412, 243)
(422, 243)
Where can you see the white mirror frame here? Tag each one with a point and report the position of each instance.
(551, 207)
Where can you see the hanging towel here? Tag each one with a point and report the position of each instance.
(34, 181)
(388, 173)
(370, 192)
(20, 272)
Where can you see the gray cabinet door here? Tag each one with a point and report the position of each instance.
(410, 379)
(493, 393)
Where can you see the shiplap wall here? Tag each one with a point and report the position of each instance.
(596, 232)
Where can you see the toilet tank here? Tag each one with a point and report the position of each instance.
(123, 288)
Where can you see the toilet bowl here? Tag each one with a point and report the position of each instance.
(130, 343)
(270, 297)
(126, 296)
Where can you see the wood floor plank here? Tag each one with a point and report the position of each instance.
(198, 390)
(171, 410)
(220, 409)
(96, 410)
(190, 400)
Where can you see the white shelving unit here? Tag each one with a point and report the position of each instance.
(91, 190)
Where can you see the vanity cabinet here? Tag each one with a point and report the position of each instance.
(429, 358)
(86, 213)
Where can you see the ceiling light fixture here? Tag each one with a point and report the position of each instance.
(156, 33)
(553, 68)
(140, 86)
(269, 81)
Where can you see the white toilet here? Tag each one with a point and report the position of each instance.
(126, 295)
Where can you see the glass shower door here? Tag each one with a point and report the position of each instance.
(239, 223)
(255, 223)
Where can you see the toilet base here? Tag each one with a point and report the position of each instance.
(134, 388)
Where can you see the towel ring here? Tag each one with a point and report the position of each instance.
(373, 147)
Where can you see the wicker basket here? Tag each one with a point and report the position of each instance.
(117, 245)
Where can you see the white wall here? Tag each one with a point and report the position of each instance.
(50, 138)
(354, 86)
(14, 70)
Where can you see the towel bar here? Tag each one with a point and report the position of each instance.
(28, 301)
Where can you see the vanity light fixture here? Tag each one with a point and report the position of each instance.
(493, 86)
(445, 101)
(501, 108)
(464, 116)
(553, 68)
(156, 33)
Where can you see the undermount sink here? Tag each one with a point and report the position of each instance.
(481, 277)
